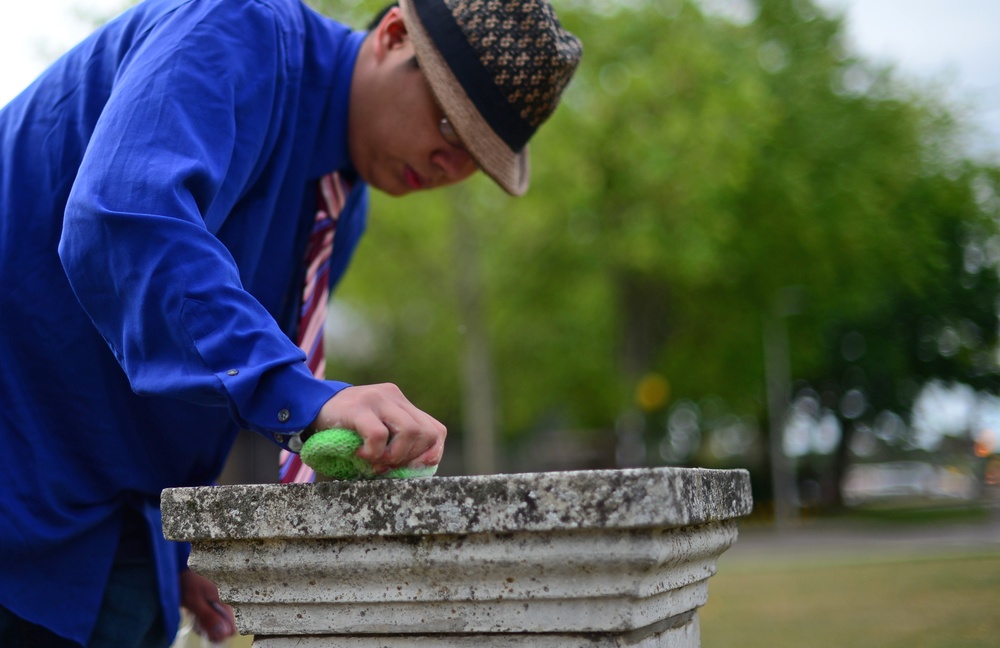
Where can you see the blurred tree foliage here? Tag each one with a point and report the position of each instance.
(704, 173)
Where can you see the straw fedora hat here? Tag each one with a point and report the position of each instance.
(497, 68)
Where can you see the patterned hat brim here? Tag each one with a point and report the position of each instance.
(509, 169)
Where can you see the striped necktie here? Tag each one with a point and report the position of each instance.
(331, 194)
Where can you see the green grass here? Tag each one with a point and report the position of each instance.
(927, 602)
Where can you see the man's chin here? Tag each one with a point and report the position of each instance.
(395, 191)
(390, 186)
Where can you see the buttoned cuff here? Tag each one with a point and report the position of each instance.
(284, 401)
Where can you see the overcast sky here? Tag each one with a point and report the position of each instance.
(35, 32)
(940, 39)
(954, 40)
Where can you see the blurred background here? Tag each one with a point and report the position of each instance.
(747, 244)
(760, 234)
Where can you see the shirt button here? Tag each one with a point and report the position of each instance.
(232, 372)
(280, 438)
(284, 415)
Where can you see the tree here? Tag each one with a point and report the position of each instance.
(699, 169)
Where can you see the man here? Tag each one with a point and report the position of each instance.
(157, 193)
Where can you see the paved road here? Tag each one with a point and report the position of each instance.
(836, 541)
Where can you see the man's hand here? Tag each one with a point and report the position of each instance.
(200, 597)
(395, 432)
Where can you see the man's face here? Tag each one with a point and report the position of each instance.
(395, 139)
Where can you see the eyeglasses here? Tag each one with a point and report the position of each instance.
(449, 134)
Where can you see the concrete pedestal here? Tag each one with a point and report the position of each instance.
(550, 560)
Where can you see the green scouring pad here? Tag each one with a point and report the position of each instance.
(331, 454)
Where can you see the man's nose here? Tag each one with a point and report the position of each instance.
(454, 162)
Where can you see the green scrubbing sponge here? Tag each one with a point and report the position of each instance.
(331, 454)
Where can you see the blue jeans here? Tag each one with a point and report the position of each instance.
(130, 616)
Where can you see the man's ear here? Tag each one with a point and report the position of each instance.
(390, 33)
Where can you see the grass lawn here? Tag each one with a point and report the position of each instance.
(916, 602)
(837, 595)
(932, 601)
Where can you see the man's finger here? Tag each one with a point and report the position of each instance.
(394, 432)
(374, 434)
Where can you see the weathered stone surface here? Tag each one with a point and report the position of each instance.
(581, 581)
(680, 633)
(553, 560)
(619, 499)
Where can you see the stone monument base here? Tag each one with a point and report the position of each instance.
(550, 560)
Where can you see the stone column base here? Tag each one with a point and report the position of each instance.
(683, 632)
(551, 560)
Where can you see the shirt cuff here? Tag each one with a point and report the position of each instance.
(284, 401)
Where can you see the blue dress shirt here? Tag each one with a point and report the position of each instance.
(156, 196)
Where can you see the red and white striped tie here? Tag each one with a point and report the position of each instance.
(331, 195)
